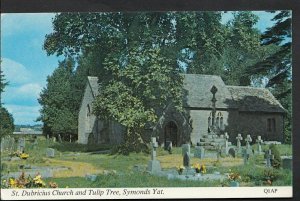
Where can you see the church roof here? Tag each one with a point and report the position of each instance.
(197, 88)
(93, 82)
(255, 99)
(198, 95)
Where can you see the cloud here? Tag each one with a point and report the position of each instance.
(26, 94)
(14, 72)
(16, 23)
(23, 114)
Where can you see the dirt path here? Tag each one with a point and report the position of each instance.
(75, 169)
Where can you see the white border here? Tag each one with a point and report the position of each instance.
(147, 193)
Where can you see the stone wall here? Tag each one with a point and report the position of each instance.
(84, 127)
(255, 124)
(200, 123)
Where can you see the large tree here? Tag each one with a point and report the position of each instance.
(130, 53)
(58, 111)
(276, 69)
(6, 119)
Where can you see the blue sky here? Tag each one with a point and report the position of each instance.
(26, 65)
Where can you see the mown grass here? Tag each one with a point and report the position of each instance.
(80, 160)
(137, 179)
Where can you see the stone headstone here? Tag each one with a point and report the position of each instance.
(186, 160)
(153, 164)
(269, 156)
(246, 156)
(59, 138)
(231, 152)
(91, 177)
(21, 144)
(199, 152)
(169, 146)
(248, 140)
(186, 148)
(226, 136)
(238, 143)
(287, 162)
(50, 152)
(259, 141)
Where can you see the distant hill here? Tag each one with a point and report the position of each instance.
(37, 127)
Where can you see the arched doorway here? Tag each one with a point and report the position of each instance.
(171, 133)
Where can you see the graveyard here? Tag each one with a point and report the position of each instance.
(48, 163)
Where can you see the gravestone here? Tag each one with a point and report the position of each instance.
(226, 136)
(153, 164)
(21, 144)
(287, 162)
(169, 146)
(259, 141)
(246, 156)
(199, 152)
(50, 152)
(91, 177)
(59, 138)
(231, 152)
(269, 156)
(186, 148)
(248, 146)
(238, 143)
(186, 160)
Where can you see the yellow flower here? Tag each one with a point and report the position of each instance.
(12, 182)
(24, 156)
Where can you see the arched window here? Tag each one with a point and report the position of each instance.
(219, 121)
(87, 121)
(88, 111)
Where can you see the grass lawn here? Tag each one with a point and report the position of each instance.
(117, 170)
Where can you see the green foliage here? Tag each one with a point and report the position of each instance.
(6, 123)
(277, 67)
(138, 58)
(276, 162)
(2, 82)
(59, 105)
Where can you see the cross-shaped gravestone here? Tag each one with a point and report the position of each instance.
(226, 136)
(154, 146)
(248, 140)
(259, 141)
(238, 143)
(154, 165)
(269, 156)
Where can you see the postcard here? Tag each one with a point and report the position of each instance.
(146, 104)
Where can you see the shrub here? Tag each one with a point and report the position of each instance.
(276, 162)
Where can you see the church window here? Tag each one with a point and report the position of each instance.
(219, 120)
(221, 123)
(271, 125)
(88, 112)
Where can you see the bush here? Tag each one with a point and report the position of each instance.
(276, 162)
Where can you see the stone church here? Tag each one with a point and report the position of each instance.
(208, 103)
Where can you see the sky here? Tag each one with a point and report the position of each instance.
(26, 65)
